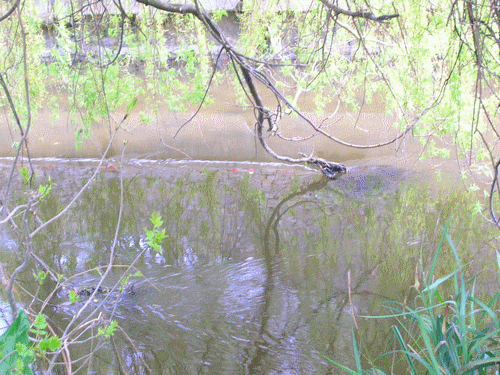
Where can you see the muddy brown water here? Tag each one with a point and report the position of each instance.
(253, 278)
(221, 131)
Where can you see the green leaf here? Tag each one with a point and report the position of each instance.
(356, 352)
(11, 343)
(49, 344)
(40, 277)
(40, 322)
(44, 190)
(131, 105)
(25, 173)
(433, 366)
(401, 340)
(346, 369)
(108, 331)
(439, 281)
(73, 296)
(156, 220)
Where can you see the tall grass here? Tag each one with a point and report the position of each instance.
(456, 335)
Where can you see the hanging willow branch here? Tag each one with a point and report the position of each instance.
(263, 114)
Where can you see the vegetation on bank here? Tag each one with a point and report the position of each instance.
(445, 329)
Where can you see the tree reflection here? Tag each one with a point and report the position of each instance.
(254, 273)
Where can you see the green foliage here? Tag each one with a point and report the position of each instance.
(49, 344)
(14, 343)
(422, 63)
(131, 105)
(39, 326)
(44, 190)
(25, 174)
(30, 178)
(478, 208)
(458, 335)
(40, 277)
(74, 297)
(218, 14)
(126, 279)
(108, 331)
(16, 351)
(45, 342)
(155, 236)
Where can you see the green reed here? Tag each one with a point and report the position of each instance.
(456, 335)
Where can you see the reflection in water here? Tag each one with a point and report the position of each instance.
(253, 277)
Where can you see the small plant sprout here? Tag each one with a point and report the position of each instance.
(73, 296)
(25, 173)
(40, 277)
(46, 343)
(125, 280)
(108, 331)
(155, 236)
(44, 190)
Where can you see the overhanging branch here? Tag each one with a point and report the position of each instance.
(360, 14)
(168, 7)
(248, 72)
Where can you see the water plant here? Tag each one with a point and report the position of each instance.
(438, 335)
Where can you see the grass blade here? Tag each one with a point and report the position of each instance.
(405, 351)
(436, 256)
(346, 369)
(435, 368)
(356, 352)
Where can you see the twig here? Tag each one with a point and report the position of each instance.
(204, 95)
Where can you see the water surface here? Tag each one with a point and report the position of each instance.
(254, 274)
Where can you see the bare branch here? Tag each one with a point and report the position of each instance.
(360, 14)
(10, 11)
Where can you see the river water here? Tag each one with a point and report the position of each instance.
(264, 266)
(255, 271)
